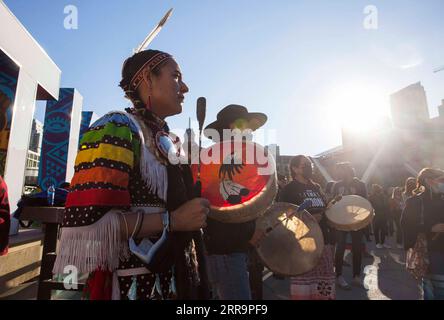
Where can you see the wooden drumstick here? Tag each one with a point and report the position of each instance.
(201, 110)
(306, 204)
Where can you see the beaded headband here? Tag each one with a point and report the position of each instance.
(151, 64)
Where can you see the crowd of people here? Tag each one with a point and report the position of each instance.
(133, 219)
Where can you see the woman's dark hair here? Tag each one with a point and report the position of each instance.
(410, 184)
(345, 168)
(130, 67)
(296, 162)
(377, 189)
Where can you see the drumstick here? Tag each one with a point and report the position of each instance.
(306, 204)
(201, 110)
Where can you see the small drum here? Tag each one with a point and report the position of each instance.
(291, 246)
(351, 213)
(239, 180)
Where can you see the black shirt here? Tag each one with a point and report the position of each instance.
(227, 238)
(420, 214)
(296, 192)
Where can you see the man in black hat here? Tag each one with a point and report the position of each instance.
(228, 244)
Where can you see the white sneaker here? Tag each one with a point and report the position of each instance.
(387, 246)
(340, 281)
(379, 246)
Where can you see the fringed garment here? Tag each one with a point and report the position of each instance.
(118, 169)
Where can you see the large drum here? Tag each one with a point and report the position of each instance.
(293, 242)
(239, 180)
(351, 213)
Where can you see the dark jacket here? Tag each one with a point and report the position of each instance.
(420, 214)
(380, 205)
(227, 238)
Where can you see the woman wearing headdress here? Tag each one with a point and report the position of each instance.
(130, 213)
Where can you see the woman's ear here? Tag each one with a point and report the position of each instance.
(147, 79)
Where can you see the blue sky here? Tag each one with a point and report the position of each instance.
(303, 63)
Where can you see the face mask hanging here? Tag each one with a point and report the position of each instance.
(146, 249)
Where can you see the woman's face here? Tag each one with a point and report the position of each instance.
(411, 184)
(168, 90)
(304, 169)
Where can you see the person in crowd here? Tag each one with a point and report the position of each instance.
(319, 283)
(349, 184)
(381, 208)
(131, 201)
(234, 269)
(395, 205)
(409, 188)
(422, 222)
(5, 218)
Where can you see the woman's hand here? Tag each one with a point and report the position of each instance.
(191, 216)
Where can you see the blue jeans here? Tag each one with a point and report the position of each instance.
(433, 283)
(228, 276)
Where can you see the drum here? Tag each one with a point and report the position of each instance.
(239, 180)
(291, 246)
(351, 213)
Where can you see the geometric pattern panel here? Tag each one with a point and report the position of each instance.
(9, 72)
(84, 124)
(56, 130)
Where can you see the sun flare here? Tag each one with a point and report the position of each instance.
(357, 107)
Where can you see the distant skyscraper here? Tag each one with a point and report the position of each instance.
(35, 142)
(441, 109)
(409, 107)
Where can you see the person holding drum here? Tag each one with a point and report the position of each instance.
(348, 184)
(227, 243)
(319, 283)
(422, 222)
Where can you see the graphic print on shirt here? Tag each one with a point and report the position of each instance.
(315, 197)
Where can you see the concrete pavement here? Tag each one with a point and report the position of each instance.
(384, 274)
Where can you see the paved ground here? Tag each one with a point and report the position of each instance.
(384, 274)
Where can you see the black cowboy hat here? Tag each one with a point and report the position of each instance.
(233, 113)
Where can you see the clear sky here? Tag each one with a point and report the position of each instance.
(307, 64)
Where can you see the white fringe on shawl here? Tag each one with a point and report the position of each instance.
(154, 173)
(88, 248)
(100, 245)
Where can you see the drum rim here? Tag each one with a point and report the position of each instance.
(319, 250)
(358, 225)
(259, 204)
